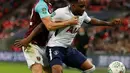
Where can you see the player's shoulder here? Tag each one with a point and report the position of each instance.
(40, 4)
(85, 13)
(62, 10)
(61, 14)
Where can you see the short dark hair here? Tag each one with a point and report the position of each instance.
(73, 1)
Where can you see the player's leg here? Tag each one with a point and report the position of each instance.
(37, 68)
(87, 66)
(46, 67)
(34, 58)
(77, 60)
(55, 57)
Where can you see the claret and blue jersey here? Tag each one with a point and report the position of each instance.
(39, 11)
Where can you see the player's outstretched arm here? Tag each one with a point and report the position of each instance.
(97, 22)
(25, 41)
(50, 25)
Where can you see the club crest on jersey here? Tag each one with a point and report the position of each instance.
(44, 10)
(56, 52)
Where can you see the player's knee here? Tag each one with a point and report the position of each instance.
(87, 65)
(90, 70)
(57, 69)
(36, 68)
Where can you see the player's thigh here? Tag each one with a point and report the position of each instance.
(76, 59)
(44, 57)
(55, 55)
(32, 55)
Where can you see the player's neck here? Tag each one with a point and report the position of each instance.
(72, 10)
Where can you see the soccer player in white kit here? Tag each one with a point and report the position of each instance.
(59, 48)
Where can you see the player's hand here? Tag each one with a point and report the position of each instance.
(116, 22)
(73, 20)
(19, 43)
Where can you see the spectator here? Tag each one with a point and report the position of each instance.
(81, 41)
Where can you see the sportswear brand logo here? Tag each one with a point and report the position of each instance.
(56, 52)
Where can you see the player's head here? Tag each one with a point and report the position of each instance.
(77, 6)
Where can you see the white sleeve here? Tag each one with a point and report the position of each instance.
(86, 17)
(57, 15)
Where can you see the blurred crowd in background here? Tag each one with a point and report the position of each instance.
(15, 14)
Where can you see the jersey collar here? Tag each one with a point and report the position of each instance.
(68, 8)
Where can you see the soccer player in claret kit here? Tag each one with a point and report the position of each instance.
(59, 48)
(34, 42)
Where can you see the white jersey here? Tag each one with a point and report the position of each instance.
(63, 37)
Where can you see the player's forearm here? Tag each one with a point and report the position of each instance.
(50, 25)
(34, 32)
(57, 25)
(100, 22)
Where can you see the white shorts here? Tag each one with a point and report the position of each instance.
(35, 54)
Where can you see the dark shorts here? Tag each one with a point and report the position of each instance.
(71, 57)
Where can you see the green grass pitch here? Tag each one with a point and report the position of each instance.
(6, 67)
